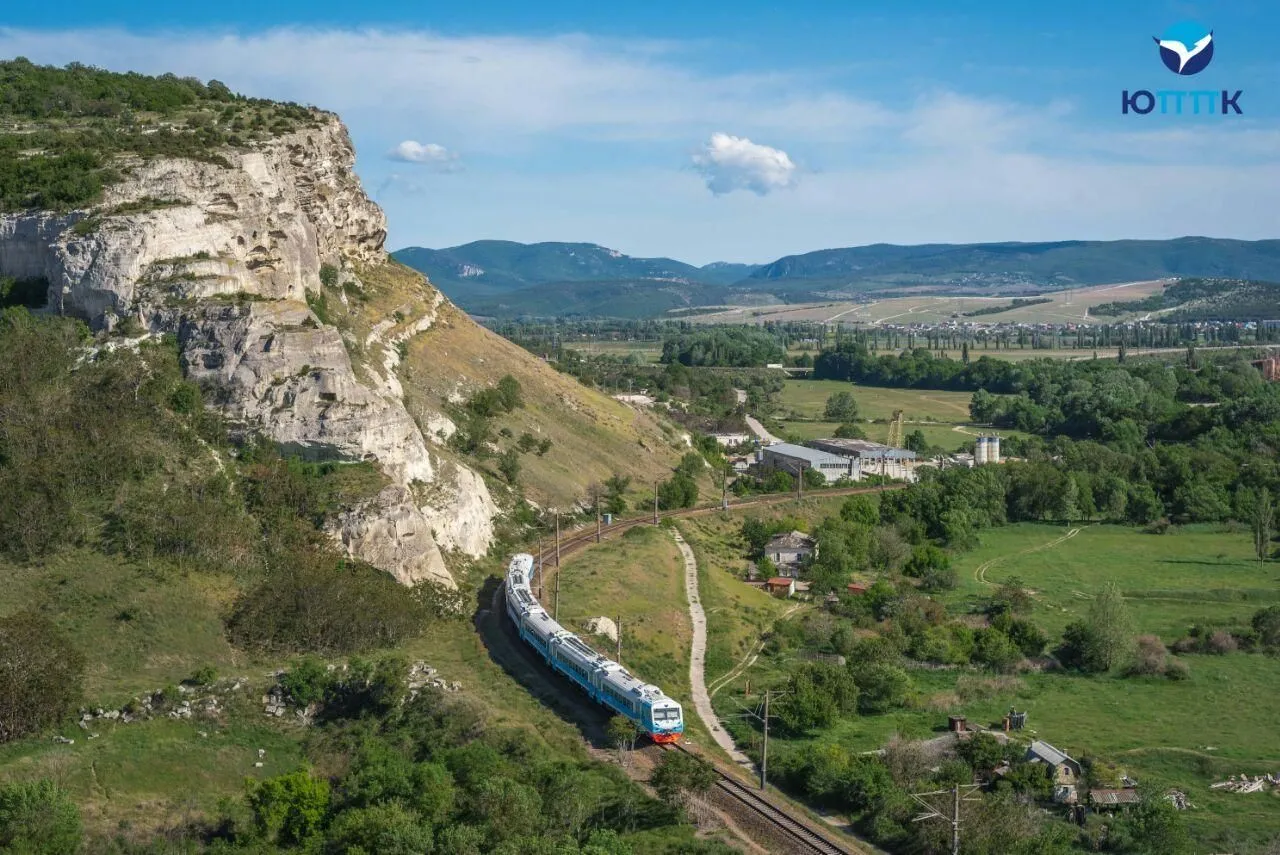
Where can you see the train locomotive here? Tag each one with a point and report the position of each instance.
(607, 682)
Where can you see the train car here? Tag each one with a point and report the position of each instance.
(604, 680)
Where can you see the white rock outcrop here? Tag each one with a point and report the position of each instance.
(222, 253)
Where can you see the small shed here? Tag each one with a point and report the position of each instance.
(781, 586)
(1111, 799)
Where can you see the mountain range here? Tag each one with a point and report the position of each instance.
(504, 279)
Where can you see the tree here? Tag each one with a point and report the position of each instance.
(881, 686)
(1266, 623)
(1111, 626)
(289, 810)
(38, 818)
(385, 829)
(816, 695)
(680, 776)
(615, 494)
(841, 407)
(849, 430)
(996, 650)
(622, 733)
(982, 751)
(1263, 519)
(681, 491)
(509, 465)
(40, 675)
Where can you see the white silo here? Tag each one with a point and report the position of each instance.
(993, 449)
(980, 451)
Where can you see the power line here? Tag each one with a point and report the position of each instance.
(932, 811)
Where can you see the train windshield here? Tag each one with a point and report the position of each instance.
(668, 714)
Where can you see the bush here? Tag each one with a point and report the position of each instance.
(307, 682)
(1150, 657)
(1221, 642)
(881, 687)
(40, 675)
(289, 810)
(323, 604)
(38, 818)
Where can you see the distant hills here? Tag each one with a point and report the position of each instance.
(506, 279)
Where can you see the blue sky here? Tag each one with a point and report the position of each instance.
(740, 131)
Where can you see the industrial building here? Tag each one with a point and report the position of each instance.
(785, 457)
(871, 458)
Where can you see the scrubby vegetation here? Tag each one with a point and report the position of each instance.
(66, 127)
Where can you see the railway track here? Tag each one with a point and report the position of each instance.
(579, 539)
(802, 838)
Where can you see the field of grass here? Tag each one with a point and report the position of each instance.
(935, 414)
(640, 578)
(649, 351)
(806, 398)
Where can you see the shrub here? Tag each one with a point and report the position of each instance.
(1149, 657)
(40, 675)
(307, 682)
(206, 676)
(1221, 642)
(38, 818)
(1177, 669)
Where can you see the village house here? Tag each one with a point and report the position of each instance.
(1066, 771)
(790, 550)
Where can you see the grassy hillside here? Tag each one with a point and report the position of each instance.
(592, 436)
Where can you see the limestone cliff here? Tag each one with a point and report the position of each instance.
(224, 254)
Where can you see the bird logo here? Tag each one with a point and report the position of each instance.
(1186, 48)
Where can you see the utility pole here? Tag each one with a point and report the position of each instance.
(597, 517)
(540, 553)
(764, 754)
(951, 816)
(724, 489)
(655, 502)
(800, 482)
(557, 545)
(618, 657)
(555, 613)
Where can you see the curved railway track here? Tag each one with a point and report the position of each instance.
(801, 837)
(578, 539)
(754, 806)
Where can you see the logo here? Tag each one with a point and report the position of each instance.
(1186, 48)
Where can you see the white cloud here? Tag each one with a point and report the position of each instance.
(731, 163)
(558, 129)
(431, 154)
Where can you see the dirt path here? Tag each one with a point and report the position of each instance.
(952, 404)
(748, 659)
(698, 656)
(980, 572)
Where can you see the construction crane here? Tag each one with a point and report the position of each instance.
(895, 430)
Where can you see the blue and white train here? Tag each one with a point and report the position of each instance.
(604, 680)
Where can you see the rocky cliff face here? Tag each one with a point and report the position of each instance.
(224, 256)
